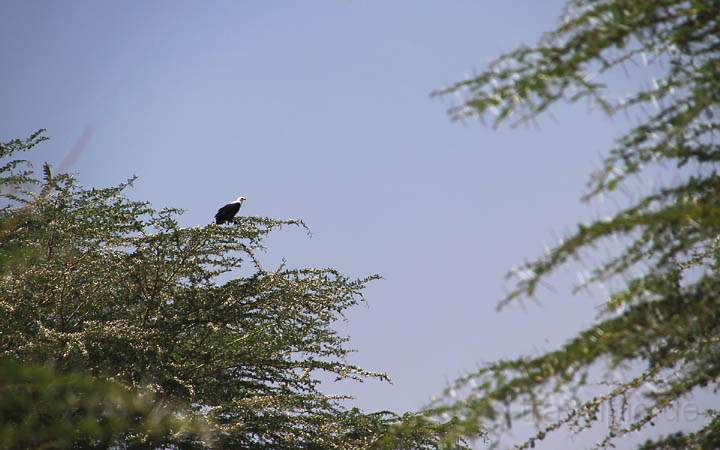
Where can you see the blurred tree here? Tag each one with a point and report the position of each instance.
(43, 409)
(663, 321)
(117, 290)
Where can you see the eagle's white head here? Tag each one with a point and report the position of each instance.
(239, 200)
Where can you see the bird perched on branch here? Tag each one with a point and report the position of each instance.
(227, 212)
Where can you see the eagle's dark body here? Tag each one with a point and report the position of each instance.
(227, 212)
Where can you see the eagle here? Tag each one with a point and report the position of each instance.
(227, 212)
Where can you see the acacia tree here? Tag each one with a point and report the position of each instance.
(122, 292)
(42, 408)
(664, 322)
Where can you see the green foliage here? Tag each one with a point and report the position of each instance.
(15, 177)
(16, 173)
(43, 409)
(707, 438)
(665, 319)
(118, 290)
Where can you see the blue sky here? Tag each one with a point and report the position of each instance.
(321, 110)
